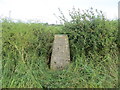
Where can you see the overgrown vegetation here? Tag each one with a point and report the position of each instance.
(93, 43)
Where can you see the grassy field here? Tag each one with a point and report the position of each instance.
(26, 50)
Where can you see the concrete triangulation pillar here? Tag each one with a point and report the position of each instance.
(61, 53)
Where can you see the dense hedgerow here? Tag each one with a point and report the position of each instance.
(27, 47)
(89, 31)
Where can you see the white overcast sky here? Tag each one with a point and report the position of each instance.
(43, 10)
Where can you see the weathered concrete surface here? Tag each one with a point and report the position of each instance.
(60, 54)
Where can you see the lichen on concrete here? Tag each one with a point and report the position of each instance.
(61, 53)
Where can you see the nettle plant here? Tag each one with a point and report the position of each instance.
(88, 31)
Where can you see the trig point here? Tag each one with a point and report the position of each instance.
(60, 54)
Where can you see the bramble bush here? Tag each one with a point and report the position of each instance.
(90, 32)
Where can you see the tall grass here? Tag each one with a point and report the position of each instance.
(93, 43)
